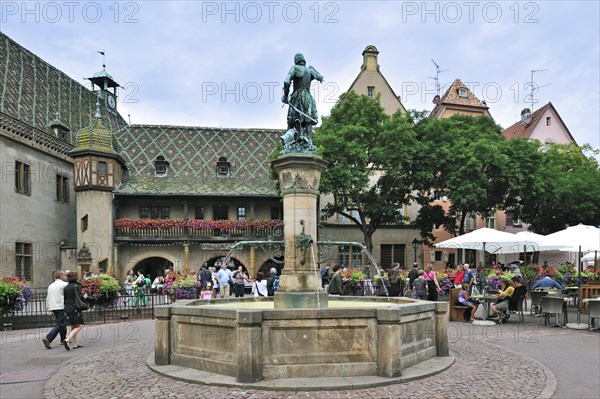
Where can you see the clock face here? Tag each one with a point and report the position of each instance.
(111, 102)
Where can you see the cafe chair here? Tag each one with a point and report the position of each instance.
(552, 306)
(536, 297)
(593, 313)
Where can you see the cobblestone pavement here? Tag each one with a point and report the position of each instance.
(482, 370)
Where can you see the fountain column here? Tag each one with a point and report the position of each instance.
(299, 175)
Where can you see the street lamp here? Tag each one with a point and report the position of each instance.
(415, 245)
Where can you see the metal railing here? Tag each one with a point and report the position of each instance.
(124, 307)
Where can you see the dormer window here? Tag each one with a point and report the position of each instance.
(160, 166)
(462, 92)
(223, 167)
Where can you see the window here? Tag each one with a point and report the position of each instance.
(23, 255)
(62, 189)
(511, 220)
(160, 166)
(275, 213)
(101, 168)
(490, 220)
(22, 178)
(392, 253)
(438, 256)
(470, 222)
(241, 213)
(370, 90)
(154, 212)
(548, 121)
(462, 92)
(220, 212)
(223, 167)
(103, 264)
(351, 256)
(84, 223)
(199, 212)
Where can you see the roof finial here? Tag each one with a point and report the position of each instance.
(103, 59)
(57, 115)
(98, 115)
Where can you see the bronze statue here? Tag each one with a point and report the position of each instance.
(302, 112)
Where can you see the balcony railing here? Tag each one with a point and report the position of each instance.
(173, 229)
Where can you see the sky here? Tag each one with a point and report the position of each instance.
(216, 63)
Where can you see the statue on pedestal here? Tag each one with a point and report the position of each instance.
(302, 113)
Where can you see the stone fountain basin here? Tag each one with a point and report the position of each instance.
(247, 338)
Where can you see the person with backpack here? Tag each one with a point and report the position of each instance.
(259, 287)
(272, 282)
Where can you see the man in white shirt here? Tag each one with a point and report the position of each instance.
(55, 303)
(225, 276)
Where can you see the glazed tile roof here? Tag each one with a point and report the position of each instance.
(451, 97)
(95, 137)
(33, 91)
(192, 153)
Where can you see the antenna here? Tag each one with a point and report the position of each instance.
(534, 88)
(437, 77)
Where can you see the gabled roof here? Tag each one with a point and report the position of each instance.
(523, 130)
(33, 91)
(192, 153)
(451, 99)
(370, 49)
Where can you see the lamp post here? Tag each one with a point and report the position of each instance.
(415, 245)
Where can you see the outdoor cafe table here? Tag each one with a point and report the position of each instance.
(487, 300)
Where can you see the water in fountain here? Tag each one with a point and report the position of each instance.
(317, 279)
(374, 263)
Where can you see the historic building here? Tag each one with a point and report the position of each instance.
(458, 99)
(83, 190)
(391, 243)
(41, 111)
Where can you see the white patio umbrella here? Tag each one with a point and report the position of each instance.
(591, 256)
(575, 238)
(486, 239)
(524, 240)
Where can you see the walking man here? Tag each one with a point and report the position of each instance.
(55, 302)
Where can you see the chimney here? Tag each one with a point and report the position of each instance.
(526, 116)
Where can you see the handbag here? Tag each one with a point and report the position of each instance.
(80, 305)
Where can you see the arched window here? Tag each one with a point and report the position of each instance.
(223, 167)
(160, 166)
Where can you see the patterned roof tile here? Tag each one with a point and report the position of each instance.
(192, 153)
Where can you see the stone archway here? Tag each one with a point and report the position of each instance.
(268, 264)
(154, 266)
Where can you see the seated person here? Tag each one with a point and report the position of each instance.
(547, 282)
(519, 291)
(465, 299)
(504, 294)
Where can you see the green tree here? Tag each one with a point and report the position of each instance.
(564, 190)
(369, 155)
(464, 159)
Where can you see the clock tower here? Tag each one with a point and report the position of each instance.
(106, 88)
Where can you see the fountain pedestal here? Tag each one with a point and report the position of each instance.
(299, 176)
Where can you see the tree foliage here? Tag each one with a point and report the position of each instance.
(368, 153)
(465, 160)
(563, 190)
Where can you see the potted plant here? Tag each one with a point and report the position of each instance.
(14, 295)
